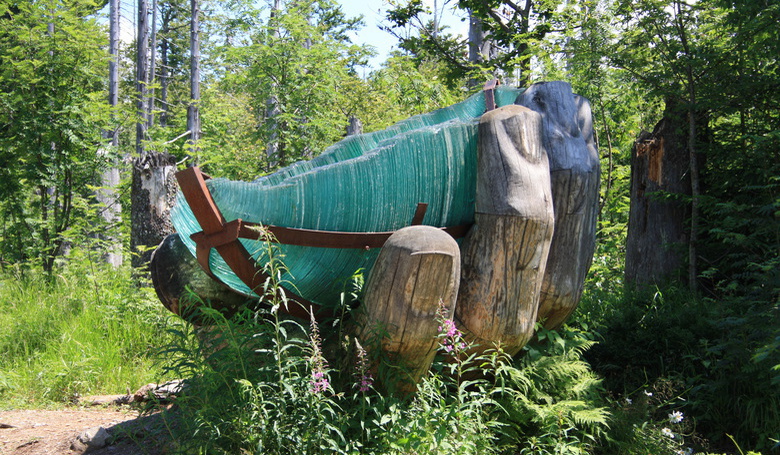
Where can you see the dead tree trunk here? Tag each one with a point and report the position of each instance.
(193, 110)
(574, 176)
(657, 230)
(505, 253)
(355, 126)
(152, 195)
(107, 196)
(142, 75)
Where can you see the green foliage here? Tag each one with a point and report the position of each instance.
(262, 384)
(401, 88)
(51, 114)
(551, 397)
(298, 69)
(710, 359)
(269, 401)
(91, 330)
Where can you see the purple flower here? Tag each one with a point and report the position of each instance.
(365, 380)
(450, 337)
(319, 381)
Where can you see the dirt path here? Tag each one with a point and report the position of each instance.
(43, 432)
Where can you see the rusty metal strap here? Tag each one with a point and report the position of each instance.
(224, 237)
(490, 95)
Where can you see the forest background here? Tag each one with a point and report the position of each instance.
(681, 354)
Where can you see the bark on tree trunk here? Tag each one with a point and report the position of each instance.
(193, 110)
(142, 75)
(355, 126)
(505, 253)
(107, 195)
(152, 77)
(574, 172)
(152, 195)
(657, 228)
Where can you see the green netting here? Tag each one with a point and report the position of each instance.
(365, 183)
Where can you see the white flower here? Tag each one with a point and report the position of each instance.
(675, 417)
(629, 400)
(649, 394)
(667, 432)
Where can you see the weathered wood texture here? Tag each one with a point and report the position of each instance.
(569, 141)
(180, 282)
(657, 228)
(417, 270)
(505, 252)
(152, 194)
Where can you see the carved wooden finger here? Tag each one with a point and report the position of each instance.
(179, 280)
(574, 170)
(417, 270)
(505, 253)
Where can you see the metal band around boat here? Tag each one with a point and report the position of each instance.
(490, 94)
(222, 235)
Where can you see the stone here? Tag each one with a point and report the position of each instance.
(91, 439)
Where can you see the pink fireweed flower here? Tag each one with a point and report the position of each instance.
(364, 378)
(451, 337)
(319, 381)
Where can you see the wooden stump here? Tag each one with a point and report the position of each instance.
(658, 227)
(574, 171)
(505, 253)
(417, 270)
(152, 194)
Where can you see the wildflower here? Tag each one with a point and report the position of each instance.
(667, 432)
(365, 380)
(676, 417)
(649, 394)
(451, 337)
(629, 401)
(319, 382)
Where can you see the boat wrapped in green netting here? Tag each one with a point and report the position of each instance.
(364, 183)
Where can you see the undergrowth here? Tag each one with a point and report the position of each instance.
(666, 351)
(261, 383)
(269, 390)
(87, 329)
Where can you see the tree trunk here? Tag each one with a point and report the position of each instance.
(355, 126)
(152, 195)
(574, 175)
(142, 74)
(152, 68)
(165, 28)
(193, 110)
(113, 63)
(272, 150)
(505, 253)
(416, 273)
(480, 47)
(107, 196)
(657, 234)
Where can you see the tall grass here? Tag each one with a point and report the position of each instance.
(87, 329)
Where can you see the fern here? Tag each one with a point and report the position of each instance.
(551, 392)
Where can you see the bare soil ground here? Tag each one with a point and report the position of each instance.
(45, 432)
